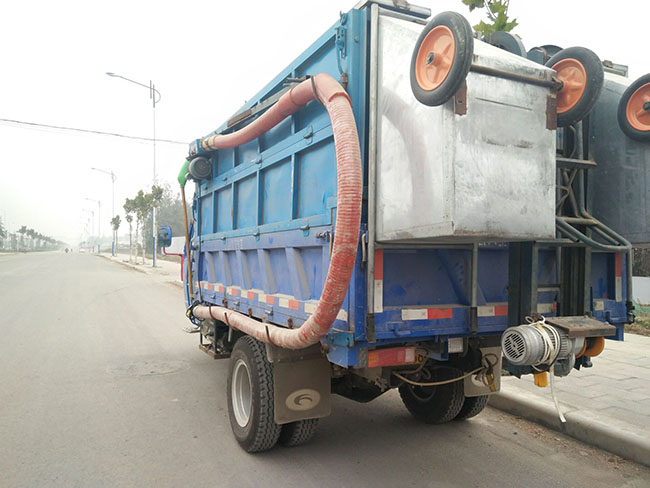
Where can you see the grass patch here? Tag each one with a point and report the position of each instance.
(640, 326)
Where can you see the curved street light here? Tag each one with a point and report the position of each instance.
(155, 96)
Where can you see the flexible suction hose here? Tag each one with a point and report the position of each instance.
(331, 94)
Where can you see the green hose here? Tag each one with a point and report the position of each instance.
(182, 175)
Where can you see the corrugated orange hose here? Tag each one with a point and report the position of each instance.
(348, 212)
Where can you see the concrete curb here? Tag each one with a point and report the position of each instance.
(137, 267)
(580, 424)
(126, 265)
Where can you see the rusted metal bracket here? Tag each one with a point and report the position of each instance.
(582, 326)
(551, 112)
(460, 100)
(207, 348)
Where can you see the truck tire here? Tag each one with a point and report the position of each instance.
(441, 58)
(297, 433)
(250, 396)
(472, 406)
(434, 404)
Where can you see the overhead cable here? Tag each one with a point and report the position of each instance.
(36, 125)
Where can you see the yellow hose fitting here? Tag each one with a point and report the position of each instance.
(541, 379)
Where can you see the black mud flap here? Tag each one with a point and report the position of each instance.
(302, 383)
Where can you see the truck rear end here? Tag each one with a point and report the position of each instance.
(398, 209)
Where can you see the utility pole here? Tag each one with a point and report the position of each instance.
(99, 220)
(155, 96)
(113, 178)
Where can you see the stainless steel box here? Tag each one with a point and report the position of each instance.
(441, 177)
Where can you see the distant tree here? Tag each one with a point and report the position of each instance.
(31, 234)
(129, 219)
(169, 212)
(141, 206)
(130, 210)
(22, 231)
(3, 231)
(497, 12)
(115, 224)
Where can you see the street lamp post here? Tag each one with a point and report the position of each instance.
(113, 178)
(155, 96)
(92, 225)
(99, 220)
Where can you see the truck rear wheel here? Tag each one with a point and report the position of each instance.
(250, 396)
(298, 433)
(472, 406)
(434, 404)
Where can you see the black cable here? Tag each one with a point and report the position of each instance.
(89, 131)
(197, 220)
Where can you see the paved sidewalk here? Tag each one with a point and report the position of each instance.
(607, 406)
(165, 270)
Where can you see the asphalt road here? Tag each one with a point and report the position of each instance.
(99, 386)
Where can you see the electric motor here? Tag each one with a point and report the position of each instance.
(200, 168)
(529, 345)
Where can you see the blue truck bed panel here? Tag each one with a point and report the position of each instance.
(264, 225)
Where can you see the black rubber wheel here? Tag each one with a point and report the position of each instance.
(297, 433)
(506, 41)
(634, 110)
(579, 93)
(434, 404)
(250, 396)
(472, 406)
(451, 70)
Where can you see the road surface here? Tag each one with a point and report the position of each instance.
(99, 387)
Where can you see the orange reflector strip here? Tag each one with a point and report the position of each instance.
(500, 310)
(439, 313)
(391, 357)
(379, 264)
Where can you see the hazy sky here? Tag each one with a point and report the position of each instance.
(206, 58)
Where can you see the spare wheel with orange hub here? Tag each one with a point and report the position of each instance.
(581, 73)
(634, 110)
(441, 58)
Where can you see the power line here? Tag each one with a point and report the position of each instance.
(87, 131)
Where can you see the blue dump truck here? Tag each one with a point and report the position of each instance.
(404, 206)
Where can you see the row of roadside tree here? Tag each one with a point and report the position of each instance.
(26, 239)
(138, 215)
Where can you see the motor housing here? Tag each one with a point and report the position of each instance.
(200, 169)
(531, 345)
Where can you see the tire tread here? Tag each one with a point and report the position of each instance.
(444, 407)
(472, 406)
(298, 433)
(265, 432)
